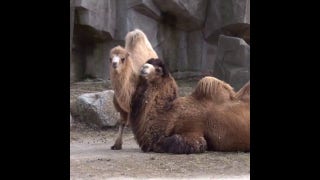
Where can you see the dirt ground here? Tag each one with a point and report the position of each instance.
(92, 158)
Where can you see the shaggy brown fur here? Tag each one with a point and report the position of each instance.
(211, 118)
(124, 76)
(152, 97)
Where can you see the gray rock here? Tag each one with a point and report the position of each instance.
(172, 43)
(229, 17)
(234, 51)
(97, 109)
(72, 74)
(71, 20)
(94, 26)
(233, 61)
(184, 33)
(186, 15)
(71, 121)
(186, 53)
(146, 7)
(93, 13)
(121, 20)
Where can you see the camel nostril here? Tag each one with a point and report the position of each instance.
(114, 65)
(143, 72)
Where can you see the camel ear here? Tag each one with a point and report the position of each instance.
(128, 54)
(164, 70)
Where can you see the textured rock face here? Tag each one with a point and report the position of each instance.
(72, 73)
(145, 7)
(71, 121)
(233, 61)
(231, 17)
(186, 15)
(98, 14)
(184, 33)
(96, 109)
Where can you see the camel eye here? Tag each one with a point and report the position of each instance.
(110, 59)
(158, 70)
(122, 59)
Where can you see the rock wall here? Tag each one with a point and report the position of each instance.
(184, 33)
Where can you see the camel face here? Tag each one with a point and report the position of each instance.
(116, 62)
(151, 72)
(147, 70)
(153, 69)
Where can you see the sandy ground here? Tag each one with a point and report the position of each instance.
(92, 158)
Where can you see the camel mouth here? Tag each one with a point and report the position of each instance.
(143, 73)
(146, 69)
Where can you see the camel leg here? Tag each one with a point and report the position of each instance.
(118, 143)
(123, 122)
(187, 143)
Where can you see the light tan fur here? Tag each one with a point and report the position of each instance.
(244, 93)
(124, 79)
(138, 45)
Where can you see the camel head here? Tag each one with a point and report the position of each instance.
(118, 58)
(154, 69)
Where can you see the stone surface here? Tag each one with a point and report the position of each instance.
(186, 53)
(148, 25)
(233, 61)
(71, 121)
(97, 109)
(71, 36)
(99, 15)
(186, 15)
(184, 33)
(146, 7)
(234, 50)
(226, 17)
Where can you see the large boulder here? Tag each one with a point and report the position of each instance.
(97, 109)
(229, 17)
(186, 15)
(233, 61)
(97, 17)
(146, 7)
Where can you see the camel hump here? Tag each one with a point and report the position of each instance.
(244, 92)
(137, 36)
(212, 88)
